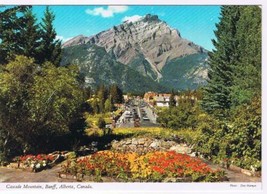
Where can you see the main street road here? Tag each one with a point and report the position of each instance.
(137, 108)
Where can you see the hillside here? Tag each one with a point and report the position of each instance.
(148, 49)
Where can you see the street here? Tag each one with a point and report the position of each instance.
(137, 113)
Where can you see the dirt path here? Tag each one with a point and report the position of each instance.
(239, 177)
(17, 175)
(50, 175)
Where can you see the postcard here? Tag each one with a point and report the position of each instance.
(118, 97)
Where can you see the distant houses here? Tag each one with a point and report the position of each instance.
(163, 99)
(149, 98)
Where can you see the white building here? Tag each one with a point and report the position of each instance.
(163, 100)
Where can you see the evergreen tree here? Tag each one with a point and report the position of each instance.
(29, 40)
(95, 105)
(102, 94)
(222, 60)
(116, 94)
(50, 47)
(108, 105)
(101, 123)
(172, 100)
(247, 77)
(11, 23)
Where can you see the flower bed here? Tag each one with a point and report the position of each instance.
(150, 167)
(35, 163)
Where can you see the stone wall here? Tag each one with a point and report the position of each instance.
(144, 145)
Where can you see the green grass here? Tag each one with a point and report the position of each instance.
(96, 132)
(92, 119)
(185, 135)
(155, 132)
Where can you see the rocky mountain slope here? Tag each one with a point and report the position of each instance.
(98, 67)
(149, 47)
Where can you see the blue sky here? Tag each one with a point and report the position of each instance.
(195, 23)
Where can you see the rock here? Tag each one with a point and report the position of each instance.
(128, 142)
(114, 142)
(155, 144)
(132, 147)
(141, 141)
(167, 144)
(193, 154)
(147, 143)
(144, 145)
(13, 165)
(134, 141)
(181, 149)
(252, 169)
(235, 168)
(246, 172)
(61, 175)
(151, 43)
(115, 145)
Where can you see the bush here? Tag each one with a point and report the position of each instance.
(101, 123)
(37, 105)
(184, 116)
(238, 141)
(245, 135)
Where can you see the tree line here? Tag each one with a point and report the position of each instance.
(235, 63)
(22, 35)
(225, 124)
(41, 103)
(104, 98)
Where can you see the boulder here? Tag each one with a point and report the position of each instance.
(155, 144)
(141, 141)
(182, 149)
(128, 142)
(134, 141)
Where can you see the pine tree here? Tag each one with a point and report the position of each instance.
(102, 95)
(247, 78)
(108, 105)
(29, 40)
(50, 47)
(11, 23)
(20, 34)
(172, 101)
(222, 60)
(116, 94)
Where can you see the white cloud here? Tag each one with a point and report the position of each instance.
(133, 18)
(108, 12)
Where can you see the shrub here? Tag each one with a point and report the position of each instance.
(237, 140)
(101, 123)
(184, 116)
(38, 104)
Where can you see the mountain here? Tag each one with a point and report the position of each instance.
(148, 48)
(98, 67)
